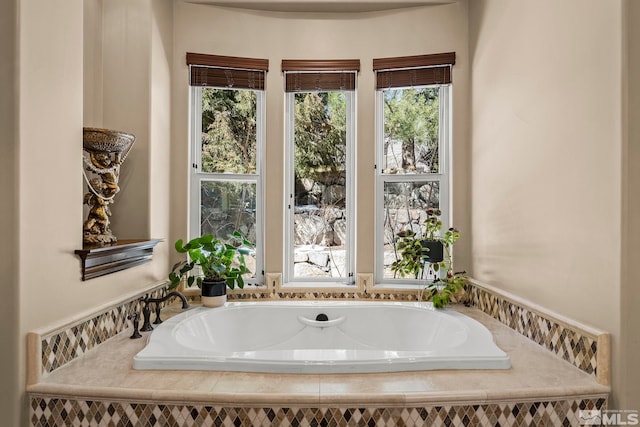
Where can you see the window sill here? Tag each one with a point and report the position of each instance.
(400, 286)
(318, 286)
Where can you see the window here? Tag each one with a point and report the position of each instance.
(319, 245)
(412, 149)
(227, 139)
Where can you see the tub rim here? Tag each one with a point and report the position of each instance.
(491, 357)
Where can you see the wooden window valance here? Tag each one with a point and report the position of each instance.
(321, 75)
(226, 71)
(419, 70)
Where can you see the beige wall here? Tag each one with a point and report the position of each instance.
(92, 72)
(161, 55)
(630, 293)
(51, 121)
(9, 301)
(127, 52)
(50, 130)
(549, 184)
(126, 41)
(277, 36)
(546, 147)
(49, 182)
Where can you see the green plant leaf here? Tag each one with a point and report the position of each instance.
(179, 247)
(206, 238)
(216, 259)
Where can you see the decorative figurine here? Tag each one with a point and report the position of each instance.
(105, 151)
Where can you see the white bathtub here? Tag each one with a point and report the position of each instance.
(285, 337)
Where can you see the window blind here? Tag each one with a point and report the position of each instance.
(226, 71)
(419, 70)
(321, 75)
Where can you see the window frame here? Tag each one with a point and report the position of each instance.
(289, 279)
(197, 176)
(443, 177)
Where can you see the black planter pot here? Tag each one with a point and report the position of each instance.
(435, 252)
(214, 289)
(214, 294)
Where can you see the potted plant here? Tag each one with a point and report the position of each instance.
(430, 252)
(221, 265)
(441, 290)
(416, 249)
(431, 243)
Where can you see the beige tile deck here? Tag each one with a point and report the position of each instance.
(535, 374)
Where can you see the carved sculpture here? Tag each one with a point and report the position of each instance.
(104, 151)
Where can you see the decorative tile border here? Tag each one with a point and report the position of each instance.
(50, 412)
(571, 344)
(315, 295)
(575, 346)
(62, 346)
(324, 293)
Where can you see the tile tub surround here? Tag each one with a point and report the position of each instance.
(72, 339)
(97, 386)
(60, 411)
(584, 347)
(101, 388)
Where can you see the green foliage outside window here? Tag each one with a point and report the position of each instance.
(228, 131)
(411, 118)
(320, 135)
(228, 146)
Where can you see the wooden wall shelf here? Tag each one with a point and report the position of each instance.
(101, 260)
